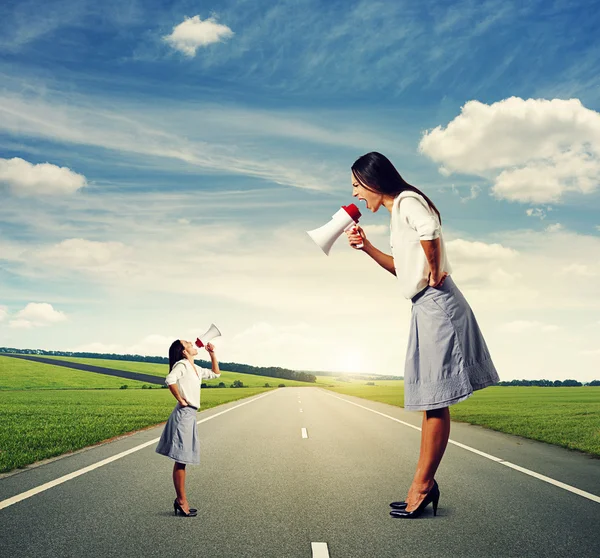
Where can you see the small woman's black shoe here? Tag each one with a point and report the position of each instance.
(177, 508)
(433, 497)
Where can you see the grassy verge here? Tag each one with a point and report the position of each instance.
(564, 416)
(40, 424)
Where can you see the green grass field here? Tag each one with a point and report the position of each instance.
(45, 423)
(50, 410)
(564, 416)
(24, 374)
(161, 370)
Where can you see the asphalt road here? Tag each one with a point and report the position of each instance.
(264, 491)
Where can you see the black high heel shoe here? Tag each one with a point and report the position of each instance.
(402, 505)
(433, 497)
(177, 508)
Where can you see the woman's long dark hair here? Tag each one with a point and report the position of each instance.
(376, 172)
(175, 353)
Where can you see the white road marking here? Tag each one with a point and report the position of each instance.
(304, 433)
(544, 478)
(43, 487)
(319, 550)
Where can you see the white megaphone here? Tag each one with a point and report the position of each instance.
(203, 340)
(343, 220)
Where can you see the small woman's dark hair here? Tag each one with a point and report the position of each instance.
(376, 172)
(175, 353)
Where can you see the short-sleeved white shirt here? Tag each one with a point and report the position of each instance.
(188, 382)
(412, 220)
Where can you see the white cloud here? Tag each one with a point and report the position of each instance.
(3, 313)
(474, 190)
(43, 179)
(520, 326)
(579, 269)
(37, 315)
(555, 228)
(536, 212)
(194, 33)
(462, 250)
(534, 150)
(78, 253)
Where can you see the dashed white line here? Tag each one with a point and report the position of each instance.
(498, 460)
(304, 433)
(319, 550)
(43, 487)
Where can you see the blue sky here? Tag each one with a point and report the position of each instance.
(151, 186)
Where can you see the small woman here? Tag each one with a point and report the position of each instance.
(447, 357)
(179, 439)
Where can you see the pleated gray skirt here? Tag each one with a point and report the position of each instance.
(447, 358)
(179, 439)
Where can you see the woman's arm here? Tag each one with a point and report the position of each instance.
(175, 391)
(433, 253)
(171, 380)
(357, 236)
(216, 372)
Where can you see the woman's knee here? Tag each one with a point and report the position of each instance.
(438, 413)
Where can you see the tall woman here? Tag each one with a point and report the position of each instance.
(179, 439)
(447, 358)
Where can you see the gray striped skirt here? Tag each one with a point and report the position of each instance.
(179, 439)
(447, 358)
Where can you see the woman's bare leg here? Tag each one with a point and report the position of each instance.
(434, 439)
(412, 490)
(179, 482)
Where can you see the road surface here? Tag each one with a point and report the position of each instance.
(297, 466)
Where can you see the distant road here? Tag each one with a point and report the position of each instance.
(297, 466)
(147, 378)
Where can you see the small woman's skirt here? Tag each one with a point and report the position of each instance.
(179, 439)
(447, 358)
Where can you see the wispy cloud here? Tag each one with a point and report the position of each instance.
(209, 138)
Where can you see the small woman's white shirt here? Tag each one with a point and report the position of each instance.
(412, 220)
(188, 381)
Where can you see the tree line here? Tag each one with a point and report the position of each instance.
(549, 383)
(270, 371)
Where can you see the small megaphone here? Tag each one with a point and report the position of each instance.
(343, 220)
(203, 340)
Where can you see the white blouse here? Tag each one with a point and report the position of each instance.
(188, 381)
(413, 220)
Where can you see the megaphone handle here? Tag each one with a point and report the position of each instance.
(357, 246)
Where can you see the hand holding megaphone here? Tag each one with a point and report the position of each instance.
(204, 339)
(343, 220)
(356, 237)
